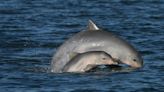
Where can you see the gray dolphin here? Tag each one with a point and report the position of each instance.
(85, 61)
(95, 39)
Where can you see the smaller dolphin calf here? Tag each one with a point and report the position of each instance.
(85, 61)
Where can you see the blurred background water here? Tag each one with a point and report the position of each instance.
(31, 30)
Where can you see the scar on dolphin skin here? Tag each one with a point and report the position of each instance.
(106, 41)
(85, 61)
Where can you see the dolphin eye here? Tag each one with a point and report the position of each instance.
(103, 58)
(134, 60)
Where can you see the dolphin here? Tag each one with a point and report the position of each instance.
(85, 61)
(96, 39)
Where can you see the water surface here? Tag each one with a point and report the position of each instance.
(31, 30)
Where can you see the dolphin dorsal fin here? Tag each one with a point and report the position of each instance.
(92, 26)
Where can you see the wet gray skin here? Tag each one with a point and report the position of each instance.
(95, 39)
(85, 61)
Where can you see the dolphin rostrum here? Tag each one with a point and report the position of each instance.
(95, 39)
(85, 61)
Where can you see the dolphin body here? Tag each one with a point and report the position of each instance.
(86, 61)
(95, 39)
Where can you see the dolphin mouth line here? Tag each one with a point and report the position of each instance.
(118, 64)
(108, 68)
(105, 68)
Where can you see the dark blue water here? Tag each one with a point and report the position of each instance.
(31, 30)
